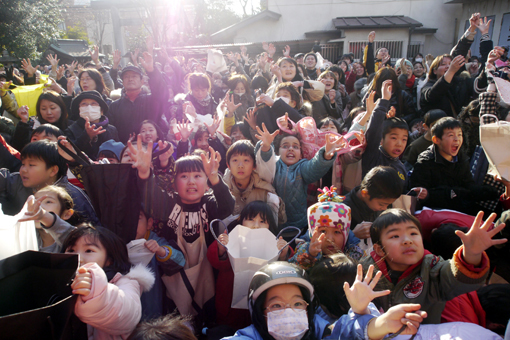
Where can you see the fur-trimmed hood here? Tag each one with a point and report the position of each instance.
(142, 274)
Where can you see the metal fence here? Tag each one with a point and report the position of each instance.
(413, 49)
(332, 52)
(394, 48)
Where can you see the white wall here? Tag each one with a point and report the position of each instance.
(300, 16)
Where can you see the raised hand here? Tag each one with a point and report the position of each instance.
(23, 113)
(385, 59)
(265, 46)
(251, 118)
(271, 50)
(286, 51)
(63, 140)
(211, 165)
(362, 291)
(371, 37)
(266, 99)
(266, 137)
(82, 282)
(280, 244)
(387, 89)
(147, 62)
(479, 238)
(184, 129)
(226, 138)
(370, 104)
(391, 112)
(34, 210)
(275, 69)
(165, 156)
(27, 66)
(188, 108)
(213, 127)
(91, 129)
(116, 59)
(72, 67)
(316, 242)
(94, 54)
(484, 25)
(229, 102)
(60, 72)
(474, 21)
(53, 61)
(70, 85)
(134, 56)
(142, 158)
(223, 238)
(52, 84)
(333, 144)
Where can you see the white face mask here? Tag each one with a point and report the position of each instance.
(91, 112)
(419, 60)
(239, 94)
(285, 99)
(287, 325)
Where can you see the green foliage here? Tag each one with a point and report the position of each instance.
(77, 32)
(28, 26)
(136, 39)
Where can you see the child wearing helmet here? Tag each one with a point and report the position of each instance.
(282, 306)
(329, 222)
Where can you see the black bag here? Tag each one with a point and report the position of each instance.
(36, 300)
(113, 191)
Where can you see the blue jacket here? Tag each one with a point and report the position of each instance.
(351, 326)
(291, 182)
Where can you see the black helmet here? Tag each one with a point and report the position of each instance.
(274, 274)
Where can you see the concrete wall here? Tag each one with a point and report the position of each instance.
(300, 16)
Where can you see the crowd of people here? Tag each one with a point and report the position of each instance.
(271, 141)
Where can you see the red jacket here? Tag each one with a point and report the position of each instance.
(464, 308)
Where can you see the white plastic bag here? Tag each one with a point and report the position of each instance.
(138, 253)
(16, 237)
(495, 140)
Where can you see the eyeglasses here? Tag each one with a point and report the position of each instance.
(286, 146)
(278, 307)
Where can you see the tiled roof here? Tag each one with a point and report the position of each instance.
(392, 21)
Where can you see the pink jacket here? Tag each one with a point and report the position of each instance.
(113, 309)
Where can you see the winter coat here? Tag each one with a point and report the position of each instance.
(127, 115)
(430, 282)
(203, 110)
(113, 309)
(403, 103)
(351, 326)
(13, 196)
(59, 231)
(77, 134)
(268, 115)
(257, 190)
(450, 185)
(291, 182)
(324, 108)
(360, 212)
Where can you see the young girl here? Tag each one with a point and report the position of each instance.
(331, 103)
(50, 208)
(183, 216)
(329, 222)
(240, 87)
(109, 289)
(282, 306)
(150, 132)
(255, 215)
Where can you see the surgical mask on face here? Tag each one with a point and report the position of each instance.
(91, 112)
(239, 94)
(287, 325)
(285, 99)
(419, 60)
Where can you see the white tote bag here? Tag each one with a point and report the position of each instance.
(16, 237)
(495, 140)
(248, 251)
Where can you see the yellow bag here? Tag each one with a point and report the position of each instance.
(29, 94)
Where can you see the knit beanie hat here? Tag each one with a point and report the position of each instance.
(330, 211)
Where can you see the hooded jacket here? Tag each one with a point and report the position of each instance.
(430, 282)
(113, 309)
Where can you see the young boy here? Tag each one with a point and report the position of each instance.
(445, 172)
(41, 166)
(245, 184)
(185, 218)
(423, 142)
(380, 187)
(416, 276)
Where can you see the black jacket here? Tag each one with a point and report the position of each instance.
(77, 133)
(360, 212)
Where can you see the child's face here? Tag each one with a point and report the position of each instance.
(290, 150)
(329, 82)
(376, 204)
(394, 142)
(50, 203)
(256, 222)
(401, 244)
(191, 186)
(126, 158)
(241, 166)
(329, 127)
(200, 93)
(149, 133)
(288, 70)
(90, 250)
(239, 90)
(283, 295)
(203, 142)
(50, 111)
(334, 242)
(43, 135)
(449, 145)
(286, 94)
(35, 174)
(236, 134)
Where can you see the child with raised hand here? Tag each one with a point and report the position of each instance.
(183, 216)
(329, 222)
(290, 174)
(414, 275)
(106, 282)
(255, 215)
(50, 208)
